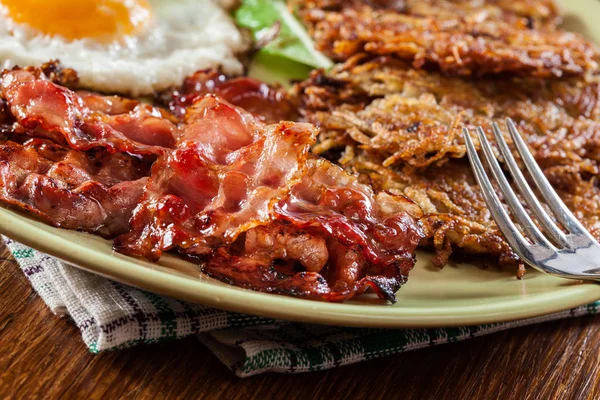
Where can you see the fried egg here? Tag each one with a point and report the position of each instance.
(134, 47)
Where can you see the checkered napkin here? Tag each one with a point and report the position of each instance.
(113, 316)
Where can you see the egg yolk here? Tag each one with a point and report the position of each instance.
(101, 20)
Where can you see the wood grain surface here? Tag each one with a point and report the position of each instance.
(42, 356)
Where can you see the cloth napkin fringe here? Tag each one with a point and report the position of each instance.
(112, 316)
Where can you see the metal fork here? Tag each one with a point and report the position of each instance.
(569, 253)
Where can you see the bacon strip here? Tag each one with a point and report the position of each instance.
(220, 181)
(381, 225)
(70, 189)
(266, 103)
(345, 238)
(245, 201)
(44, 109)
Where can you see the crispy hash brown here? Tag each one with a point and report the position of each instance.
(400, 128)
(461, 37)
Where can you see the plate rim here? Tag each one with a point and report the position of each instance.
(21, 227)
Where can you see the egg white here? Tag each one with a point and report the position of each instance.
(183, 37)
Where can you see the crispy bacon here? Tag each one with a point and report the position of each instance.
(245, 200)
(267, 103)
(221, 180)
(94, 192)
(42, 108)
(335, 202)
(344, 237)
(259, 273)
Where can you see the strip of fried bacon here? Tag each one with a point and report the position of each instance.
(344, 237)
(222, 179)
(245, 200)
(267, 103)
(463, 37)
(94, 192)
(83, 121)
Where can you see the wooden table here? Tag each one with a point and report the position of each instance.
(42, 356)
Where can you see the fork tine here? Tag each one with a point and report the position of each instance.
(506, 226)
(560, 210)
(534, 205)
(513, 202)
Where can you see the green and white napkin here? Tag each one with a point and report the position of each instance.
(113, 316)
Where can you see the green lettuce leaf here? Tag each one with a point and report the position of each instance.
(266, 18)
(275, 69)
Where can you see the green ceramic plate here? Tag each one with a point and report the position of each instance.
(462, 294)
